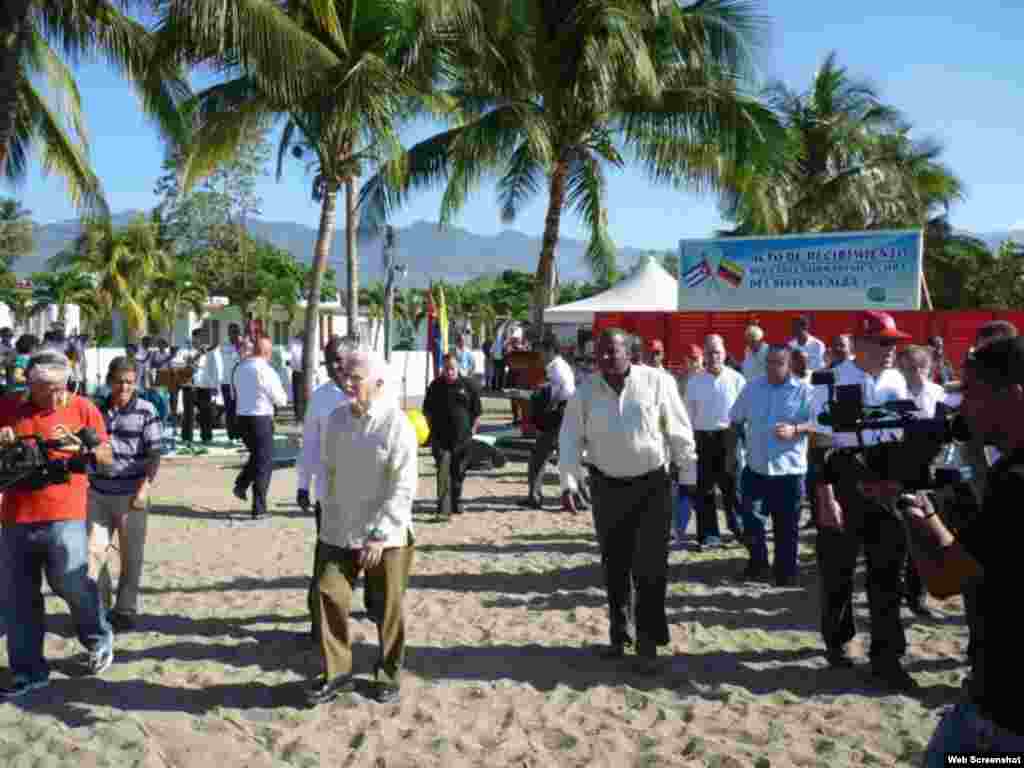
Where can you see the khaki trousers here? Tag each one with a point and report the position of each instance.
(107, 515)
(337, 573)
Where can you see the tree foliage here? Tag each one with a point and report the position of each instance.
(16, 232)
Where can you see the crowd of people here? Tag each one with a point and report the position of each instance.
(633, 439)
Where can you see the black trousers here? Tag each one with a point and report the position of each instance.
(229, 411)
(875, 529)
(257, 432)
(716, 466)
(452, 463)
(298, 396)
(542, 449)
(632, 519)
(193, 399)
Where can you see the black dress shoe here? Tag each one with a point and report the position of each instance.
(647, 658)
(121, 621)
(387, 694)
(613, 651)
(324, 692)
(240, 493)
(893, 676)
(919, 609)
(756, 572)
(838, 658)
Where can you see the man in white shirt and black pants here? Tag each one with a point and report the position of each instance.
(220, 366)
(259, 390)
(849, 521)
(298, 392)
(710, 396)
(325, 401)
(562, 386)
(632, 424)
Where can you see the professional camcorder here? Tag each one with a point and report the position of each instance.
(913, 459)
(29, 464)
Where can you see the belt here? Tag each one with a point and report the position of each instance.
(620, 482)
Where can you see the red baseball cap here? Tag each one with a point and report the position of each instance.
(874, 324)
(694, 352)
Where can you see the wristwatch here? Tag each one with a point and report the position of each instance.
(377, 535)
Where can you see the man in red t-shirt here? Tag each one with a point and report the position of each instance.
(45, 530)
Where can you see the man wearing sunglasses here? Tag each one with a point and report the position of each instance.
(849, 519)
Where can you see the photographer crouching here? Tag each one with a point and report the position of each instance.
(989, 719)
(47, 443)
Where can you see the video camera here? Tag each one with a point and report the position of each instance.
(911, 459)
(29, 464)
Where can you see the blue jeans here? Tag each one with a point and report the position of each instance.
(777, 498)
(61, 549)
(964, 729)
(684, 506)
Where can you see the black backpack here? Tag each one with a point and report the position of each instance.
(545, 414)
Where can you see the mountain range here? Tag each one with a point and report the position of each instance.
(429, 253)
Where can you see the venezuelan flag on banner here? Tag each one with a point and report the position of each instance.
(442, 320)
(731, 272)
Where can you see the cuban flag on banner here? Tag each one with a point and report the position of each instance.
(697, 274)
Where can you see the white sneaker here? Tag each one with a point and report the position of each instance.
(100, 661)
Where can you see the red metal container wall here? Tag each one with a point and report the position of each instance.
(681, 329)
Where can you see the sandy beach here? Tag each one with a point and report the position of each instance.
(504, 611)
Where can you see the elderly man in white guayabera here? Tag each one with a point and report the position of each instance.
(369, 455)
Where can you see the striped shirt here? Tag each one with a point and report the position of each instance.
(135, 434)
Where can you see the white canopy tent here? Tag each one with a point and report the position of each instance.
(650, 289)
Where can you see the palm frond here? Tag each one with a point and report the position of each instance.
(586, 193)
(60, 155)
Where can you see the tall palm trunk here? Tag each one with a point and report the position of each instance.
(544, 286)
(13, 25)
(324, 238)
(351, 257)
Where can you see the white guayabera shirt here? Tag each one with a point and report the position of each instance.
(371, 465)
(627, 434)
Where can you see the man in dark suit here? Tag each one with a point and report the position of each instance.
(452, 407)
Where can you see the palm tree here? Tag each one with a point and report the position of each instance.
(173, 290)
(98, 29)
(372, 297)
(62, 288)
(355, 69)
(124, 262)
(847, 163)
(17, 298)
(554, 94)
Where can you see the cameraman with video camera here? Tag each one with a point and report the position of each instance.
(989, 719)
(44, 518)
(849, 520)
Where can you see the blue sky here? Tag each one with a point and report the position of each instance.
(956, 73)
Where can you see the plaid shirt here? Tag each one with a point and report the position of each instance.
(135, 433)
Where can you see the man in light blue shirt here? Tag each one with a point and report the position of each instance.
(776, 409)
